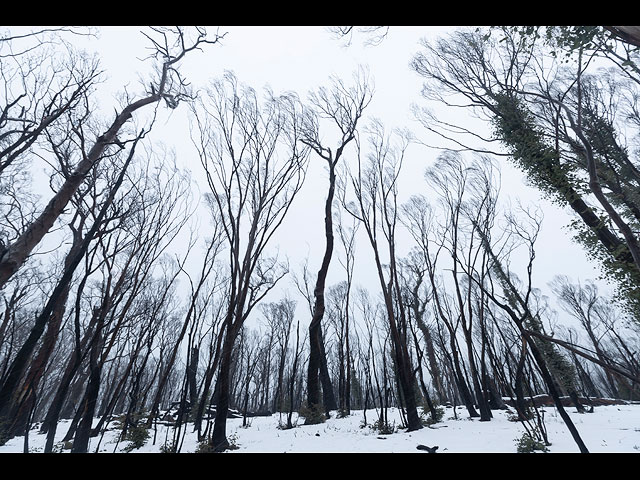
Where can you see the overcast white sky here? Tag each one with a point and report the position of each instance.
(301, 59)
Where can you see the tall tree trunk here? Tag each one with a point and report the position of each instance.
(328, 396)
(22, 357)
(316, 369)
(192, 370)
(88, 406)
(17, 253)
(219, 435)
(24, 399)
(205, 401)
(434, 369)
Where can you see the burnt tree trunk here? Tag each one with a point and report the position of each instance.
(88, 405)
(23, 400)
(22, 357)
(222, 392)
(316, 368)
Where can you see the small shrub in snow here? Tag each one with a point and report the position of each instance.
(137, 437)
(117, 422)
(168, 448)
(528, 444)
(312, 415)
(427, 417)
(233, 441)
(514, 417)
(206, 446)
(343, 413)
(384, 428)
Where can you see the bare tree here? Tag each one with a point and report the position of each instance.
(254, 167)
(280, 316)
(19, 364)
(43, 79)
(213, 248)
(147, 219)
(373, 35)
(596, 316)
(169, 46)
(412, 274)
(375, 188)
(348, 240)
(342, 106)
(557, 374)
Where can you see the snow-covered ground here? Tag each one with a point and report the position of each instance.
(610, 429)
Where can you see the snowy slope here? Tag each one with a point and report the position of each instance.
(610, 429)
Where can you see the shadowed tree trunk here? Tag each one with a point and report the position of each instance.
(23, 400)
(88, 404)
(344, 106)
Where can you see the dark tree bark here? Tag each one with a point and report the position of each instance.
(345, 107)
(23, 400)
(258, 188)
(88, 405)
(376, 189)
(521, 320)
(18, 251)
(20, 361)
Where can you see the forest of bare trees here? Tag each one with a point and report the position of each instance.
(123, 304)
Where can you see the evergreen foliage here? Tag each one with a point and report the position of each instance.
(559, 182)
(528, 444)
(137, 436)
(312, 415)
